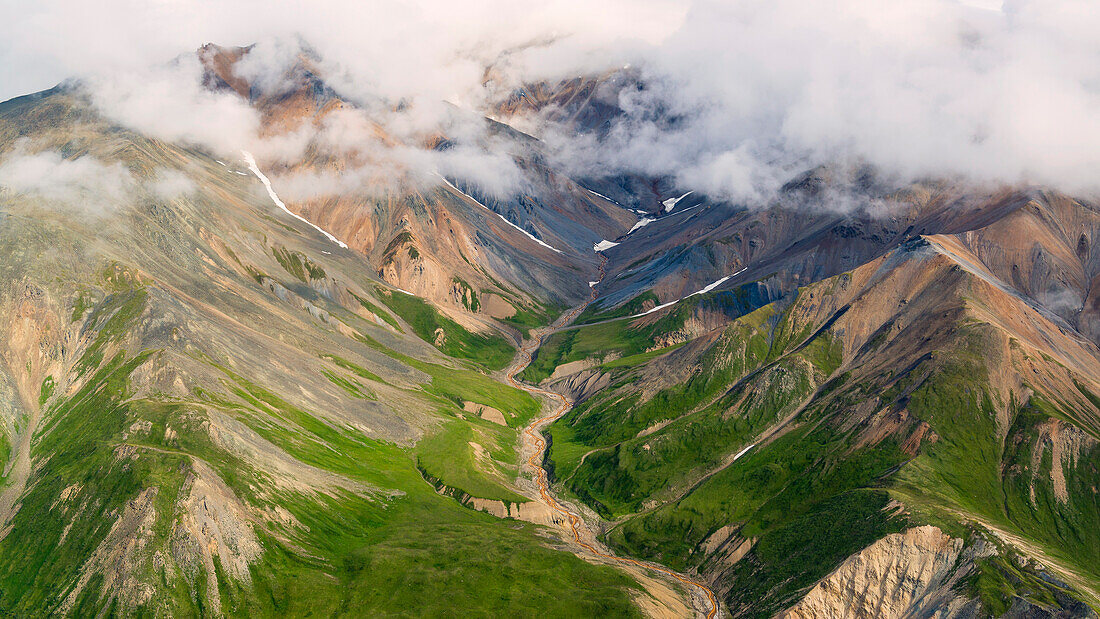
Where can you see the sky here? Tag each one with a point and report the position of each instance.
(761, 89)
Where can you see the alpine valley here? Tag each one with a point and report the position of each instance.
(599, 394)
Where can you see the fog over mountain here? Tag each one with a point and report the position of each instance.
(662, 308)
(759, 89)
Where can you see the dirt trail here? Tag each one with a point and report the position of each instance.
(535, 444)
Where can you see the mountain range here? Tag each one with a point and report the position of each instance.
(590, 394)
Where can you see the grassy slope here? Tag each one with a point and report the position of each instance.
(621, 336)
(399, 549)
(698, 430)
(814, 495)
(416, 553)
(490, 350)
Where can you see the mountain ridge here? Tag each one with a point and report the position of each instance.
(208, 407)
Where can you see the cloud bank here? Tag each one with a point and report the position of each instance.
(757, 90)
(84, 183)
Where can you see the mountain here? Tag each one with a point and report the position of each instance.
(763, 392)
(211, 408)
(223, 396)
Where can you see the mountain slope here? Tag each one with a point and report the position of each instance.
(221, 393)
(210, 408)
(449, 242)
(765, 452)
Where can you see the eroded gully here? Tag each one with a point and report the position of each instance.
(535, 444)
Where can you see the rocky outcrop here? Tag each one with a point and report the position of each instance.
(529, 511)
(121, 558)
(1066, 443)
(909, 574)
(580, 385)
(925, 573)
(487, 413)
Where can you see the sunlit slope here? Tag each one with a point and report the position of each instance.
(210, 407)
(519, 255)
(917, 388)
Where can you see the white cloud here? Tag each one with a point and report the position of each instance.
(169, 102)
(84, 183)
(170, 185)
(1003, 92)
(918, 87)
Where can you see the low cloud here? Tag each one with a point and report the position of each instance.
(392, 170)
(738, 96)
(84, 183)
(169, 102)
(763, 89)
(170, 185)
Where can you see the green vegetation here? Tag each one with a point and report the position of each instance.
(377, 311)
(564, 452)
(5, 455)
(456, 386)
(452, 339)
(816, 494)
(792, 556)
(1003, 578)
(707, 415)
(256, 274)
(48, 543)
(401, 239)
(358, 370)
(389, 555)
(84, 484)
(467, 455)
(1004, 485)
(430, 558)
(618, 479)
(623, 337)
(124, 451)
(82, 303)
(638, 359)
(524, 320)
(637, 305)
(353, 388)
(369, 550)
(298, 264)
(372, 527)
(114, 317)
(801, 495)
(597, 341)
(48, 385)
(466, 294)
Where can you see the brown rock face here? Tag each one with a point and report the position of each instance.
(908, 574)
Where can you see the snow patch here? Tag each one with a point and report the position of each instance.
(604, 244)
(275, 198)
(596, 193)
(710, 286)
(672, 202)
(502, 217)
(687, 210)
(643, 222)
(704, 290)
(659, 307)
(743, 452)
